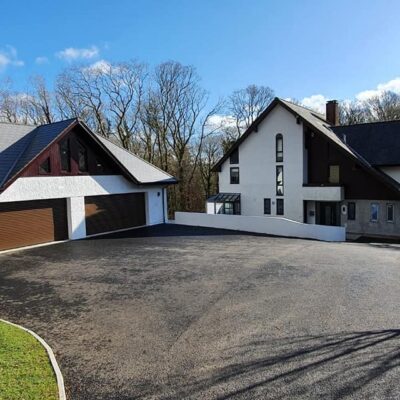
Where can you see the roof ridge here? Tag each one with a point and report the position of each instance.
(135, 155)
(369, 123)
(318, 114)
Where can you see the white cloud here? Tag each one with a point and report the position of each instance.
(9, 57)
(72, 54)
(392, 85)
(41, 60)
(101, 66)
(316, 102)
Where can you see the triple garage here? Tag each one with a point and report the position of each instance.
(29, 223)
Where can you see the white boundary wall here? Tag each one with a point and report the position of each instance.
(268, 225)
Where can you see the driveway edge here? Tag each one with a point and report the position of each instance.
(50, 353)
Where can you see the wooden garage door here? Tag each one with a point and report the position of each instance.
(32, 222)
(113, 212)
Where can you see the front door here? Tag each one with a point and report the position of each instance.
(328, 213)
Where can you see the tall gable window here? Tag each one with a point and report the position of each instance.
(279, 180)
(65, 155)
(234, 158)
(279, 147)
(82, 158)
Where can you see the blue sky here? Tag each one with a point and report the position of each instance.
(335, 48)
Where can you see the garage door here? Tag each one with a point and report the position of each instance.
(32, 222)
(113, 212)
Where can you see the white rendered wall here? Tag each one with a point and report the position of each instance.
(268, 225)
(76, 217)
(393, 172)
(257, 167)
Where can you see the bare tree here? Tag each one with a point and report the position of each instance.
(245, 105)
(354, 112)
(384, 107)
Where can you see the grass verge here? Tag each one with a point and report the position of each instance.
(25, 369)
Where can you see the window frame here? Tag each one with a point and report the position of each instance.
(231, 176)
(234, 157)
(377, 212)
(65, 142)
(280, 167)
(279, 153)
(354, 214)
(279, 208)
(389, 205)
(267, 206)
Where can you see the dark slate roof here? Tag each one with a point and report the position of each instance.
(377, 142)
(19, 149)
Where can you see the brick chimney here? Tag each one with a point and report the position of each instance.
(332, 112)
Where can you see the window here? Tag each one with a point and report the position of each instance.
(279, 207)
(82, 158)
(235, 175)
(234, 158)
(228, 208)
(351, 211)
(279, 180)
(334, 174)
(374, 212)
(65, 155)
(279, 147)
(45, 167)
(267, 206)
(389, 212)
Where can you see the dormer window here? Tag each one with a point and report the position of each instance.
(279, 147)
(65, 155)
(234, 158)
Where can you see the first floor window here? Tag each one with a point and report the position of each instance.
(267, 206)
(374, 212)
(279, 180)
(351, 210)
(390, 212)
(279, 207)
(45, 167)
(234, 175)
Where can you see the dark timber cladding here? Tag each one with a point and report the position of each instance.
(32, 222)
(113, 212)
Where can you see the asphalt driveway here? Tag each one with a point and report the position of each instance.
(174, 312)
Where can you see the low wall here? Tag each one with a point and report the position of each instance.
(268, 225)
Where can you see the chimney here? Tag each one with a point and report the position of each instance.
(332, 112)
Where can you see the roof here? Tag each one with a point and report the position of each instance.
(21, 144)
(317, 122)
(223, 197)
(143, 171)
(377, 142)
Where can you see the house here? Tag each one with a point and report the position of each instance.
(62, 181)
(297, 164)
